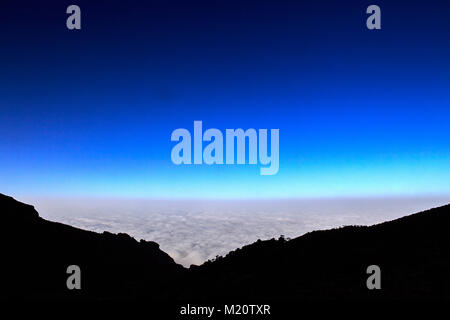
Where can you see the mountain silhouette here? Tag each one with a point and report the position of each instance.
(36, 254)
(412, 253)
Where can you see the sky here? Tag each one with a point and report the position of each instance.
(90, 112)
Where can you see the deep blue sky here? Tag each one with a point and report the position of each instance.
(91, 112)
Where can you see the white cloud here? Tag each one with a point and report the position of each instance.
(194, 231)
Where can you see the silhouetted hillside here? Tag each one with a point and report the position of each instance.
(413, 253)
(36, 254)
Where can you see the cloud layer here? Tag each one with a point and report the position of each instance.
(194, 231)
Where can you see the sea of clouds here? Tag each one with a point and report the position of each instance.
(193, 231)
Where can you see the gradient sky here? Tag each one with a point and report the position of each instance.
(91, 112)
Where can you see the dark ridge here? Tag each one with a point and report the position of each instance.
(36, 254)
(412, 252)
